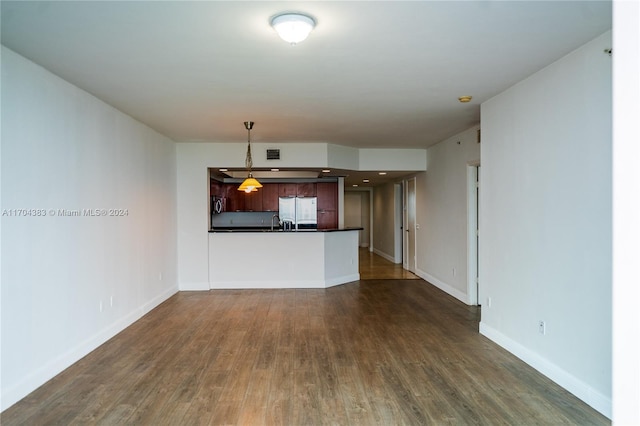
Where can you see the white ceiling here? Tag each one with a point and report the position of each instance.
(371, 74)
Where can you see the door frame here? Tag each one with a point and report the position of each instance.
(408, 251)
(473, 232)
(398, 223)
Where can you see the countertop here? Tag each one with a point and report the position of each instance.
(280, 231)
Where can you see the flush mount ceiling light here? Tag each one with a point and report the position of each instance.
(250, 184)
(293, 27)
(465, 99)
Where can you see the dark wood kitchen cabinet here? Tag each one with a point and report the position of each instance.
(327, 193)
(270, 195)
(306, 189)
(253, 200)
(235, 198)
(288, 189)
(327, 219)
(217, 189)
(266, 199)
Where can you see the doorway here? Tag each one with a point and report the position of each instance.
(357, 214)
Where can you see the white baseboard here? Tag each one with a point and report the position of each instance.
(37, 378)
(245, 285)
(341, 280)
(586, 393)
(443, 286)
(199, 286)
(384, 255)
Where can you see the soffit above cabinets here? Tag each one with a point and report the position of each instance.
(351, 178)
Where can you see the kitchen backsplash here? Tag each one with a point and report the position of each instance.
(242, 219)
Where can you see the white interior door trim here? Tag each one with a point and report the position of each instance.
(472, 232)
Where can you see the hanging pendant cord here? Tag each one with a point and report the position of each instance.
(249, 161)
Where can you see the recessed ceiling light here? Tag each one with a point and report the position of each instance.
(354, 185)
(223, 170)
(382, 173)
(275, 170)
(365, 180)
(465, 99)
(326, 171)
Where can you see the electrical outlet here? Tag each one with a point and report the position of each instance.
(160, 276)
(542, 327)
(488, 302)
(101, 306)
(111, 301)
(453, 271)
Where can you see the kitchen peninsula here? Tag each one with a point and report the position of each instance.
(282, 259)
(284, 236)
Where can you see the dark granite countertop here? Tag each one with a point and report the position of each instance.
(279, 231)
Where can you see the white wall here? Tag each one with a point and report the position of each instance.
(64, 149)
(392, 159)
(383, 206)
(626, 211)
(441, 213)
(357, 213)
(545, 217)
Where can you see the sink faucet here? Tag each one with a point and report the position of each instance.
(275, 216)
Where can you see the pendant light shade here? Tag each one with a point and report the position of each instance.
(250, 184)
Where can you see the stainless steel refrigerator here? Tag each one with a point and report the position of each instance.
(301, 212)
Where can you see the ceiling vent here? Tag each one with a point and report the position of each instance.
(273, 154)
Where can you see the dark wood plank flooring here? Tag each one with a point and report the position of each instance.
(373, 266)
(373, 352)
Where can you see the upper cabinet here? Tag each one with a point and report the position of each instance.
(303, 189)
(253, 200)
(327, 193)
(270, 195)
(266, 199)
(217, 189)
(235, 199)
(306, 189)
(287, 189)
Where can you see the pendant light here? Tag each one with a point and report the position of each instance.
(250, 184)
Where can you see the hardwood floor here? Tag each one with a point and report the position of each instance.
(373, 266)
(373, 352)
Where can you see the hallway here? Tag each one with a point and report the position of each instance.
(375, 267)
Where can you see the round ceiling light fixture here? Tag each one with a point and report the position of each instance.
(465, 99)
(293, 27)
